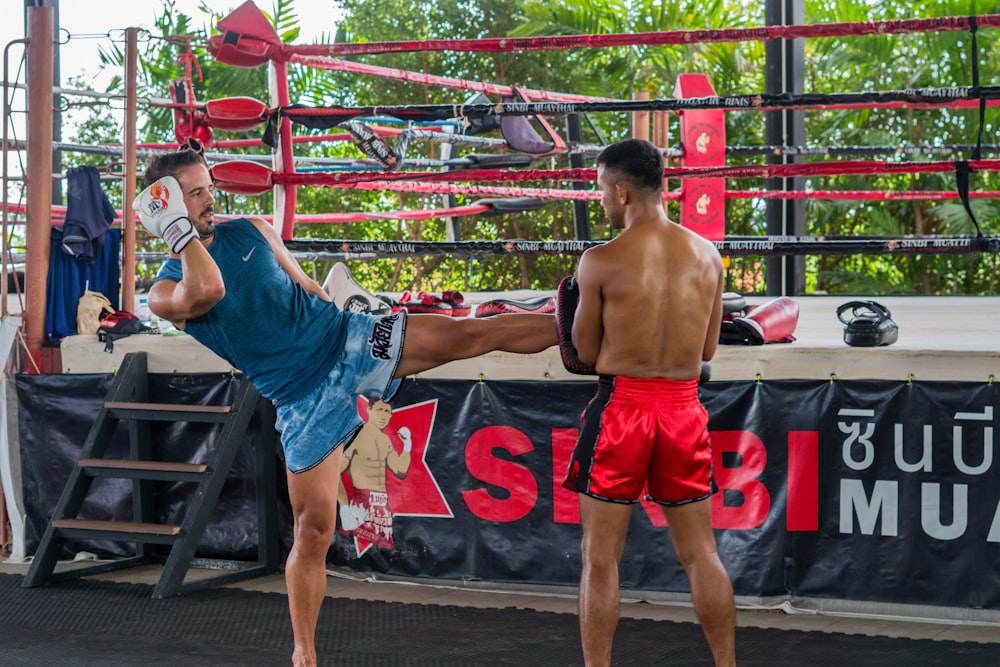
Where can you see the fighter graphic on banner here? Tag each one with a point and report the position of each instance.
(369, 497)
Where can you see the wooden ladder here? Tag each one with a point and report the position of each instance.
(127, 400)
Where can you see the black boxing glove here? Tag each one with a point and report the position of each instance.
(567, 299)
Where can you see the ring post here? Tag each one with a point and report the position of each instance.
(703, 138)
(284, 159)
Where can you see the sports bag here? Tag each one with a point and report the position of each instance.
(119, 324)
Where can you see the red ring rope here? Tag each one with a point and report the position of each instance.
(671, 37)
(923, 98)
(837, 168)
(433, 80)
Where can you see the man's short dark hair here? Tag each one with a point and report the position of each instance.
(169, 164)
(372, 399)
(638, 159)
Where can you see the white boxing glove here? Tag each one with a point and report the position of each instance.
(350, 518)
(163, 213)
(404, 435)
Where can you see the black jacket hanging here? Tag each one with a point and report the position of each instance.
(89, 214)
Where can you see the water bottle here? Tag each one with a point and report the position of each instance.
(145, 315)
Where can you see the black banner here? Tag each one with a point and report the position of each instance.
(876, 491)
(867, 490)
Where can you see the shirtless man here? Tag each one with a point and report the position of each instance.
(649, 313)
(366, 513)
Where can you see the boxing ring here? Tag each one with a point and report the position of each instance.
(905, 430)
(940, 339)
(857, 480)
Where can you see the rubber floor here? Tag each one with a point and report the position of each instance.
(98, 623)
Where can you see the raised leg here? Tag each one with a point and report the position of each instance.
(433, 340)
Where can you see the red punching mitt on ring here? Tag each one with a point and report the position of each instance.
(771, 322)
(567, 299)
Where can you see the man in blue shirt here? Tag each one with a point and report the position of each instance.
(235, 288)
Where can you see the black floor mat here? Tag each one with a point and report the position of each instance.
(92, 623)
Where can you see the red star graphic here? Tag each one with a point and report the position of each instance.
(417, 494)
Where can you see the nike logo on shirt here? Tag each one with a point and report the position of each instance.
(246, 257)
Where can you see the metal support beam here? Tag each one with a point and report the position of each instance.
(57, 193)
(129, 157)
(581, 213)
(57, 156)
(784, 73)
(38, 234)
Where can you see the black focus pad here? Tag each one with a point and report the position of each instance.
(869, 324)
(567, 299)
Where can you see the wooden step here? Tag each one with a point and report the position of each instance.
(154, 470)
(168, 411)
(162, 533)
(131, 382)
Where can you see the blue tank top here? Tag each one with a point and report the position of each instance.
(284, 339)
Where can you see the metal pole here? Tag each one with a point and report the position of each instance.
(581, 213)
(784, 73)
(128, 184)
(57, 188)
(38, 224)
(640, 119)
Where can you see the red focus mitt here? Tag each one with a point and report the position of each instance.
(771, 322)
(567, 299)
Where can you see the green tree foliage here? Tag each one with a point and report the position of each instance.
(393, 20)
(895, 62)
(165, 54)
(848, 64)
